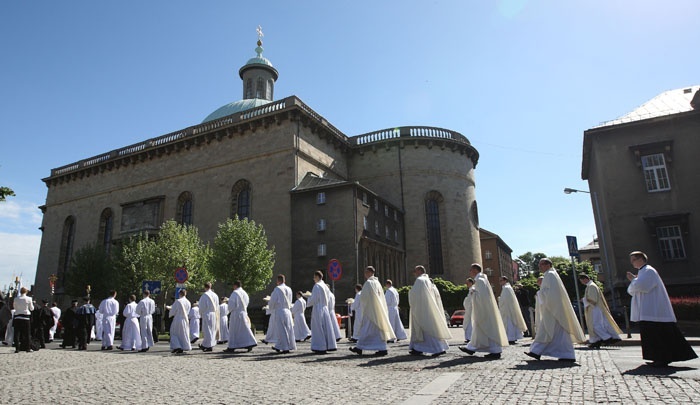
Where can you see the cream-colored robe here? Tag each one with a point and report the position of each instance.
(427, 319)
(488, 333)
(601, 325)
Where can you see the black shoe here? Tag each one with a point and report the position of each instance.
(101, 348)
(338, 340)
(82, 348)
(5, 343)
(284, 352)
(180, 351)
(611, 342)
(250, 348)
(229, 350)
(493, 356)
(16, 350)
(264, 341)
(465, 350)
(568, 360)
(595, 345)
(276, 349)
(438, 354)
(319, 351)
(511, 342)
(143, 350)
(193, 341)
(307, 338)
(657, 364)
(120, 348)
(381, 353)
(533, 355)
(332, 350)
(356, 350)
(298, 341)
(173, 351)
(390, 341)
(414, 352)
(353, 340)
(109, 348)
(207, 349)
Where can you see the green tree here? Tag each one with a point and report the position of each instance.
(90, 265)
(131, 263)
(6, 192)
(241, 252)
(531, 260)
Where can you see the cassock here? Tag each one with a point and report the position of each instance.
(392, 304)
(662, 341)
(331, 310)
(223, 322)
(145, 310)
(322, 330)
(357, 309)
(131, 333)
(488, 333)
(280, 303)
(194, 318)
(209, 312)
(558, 327)
(601, 325)
(429, 331)
(301, 329)
(180, 326)
(374, 329)
(86, 320)
(467, 324)
(511, 314)
(109, 308)
(239, 334)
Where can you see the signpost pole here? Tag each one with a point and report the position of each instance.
(573, 253)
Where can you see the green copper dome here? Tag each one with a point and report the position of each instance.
(234, 107)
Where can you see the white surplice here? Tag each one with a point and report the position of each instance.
(131, 333)
(180, 327)
(512, 316)
(280, 303)
(56, 313)
(467, 323)
(331, 310)
(428, 326)
(239, 333)
(375, 328)
(357, 308)
(392, 305)
(109, 308)
(98, 325)
(145, 309)
(488, 333)
(301, 329)
(194, 318)
(322, 331)
(223, 322)
(650, 300)
(209, 313)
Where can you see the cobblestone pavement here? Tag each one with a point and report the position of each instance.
(609, 375)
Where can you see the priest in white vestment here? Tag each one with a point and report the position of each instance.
(356, 313)
(558, 328)
(467, 304)
(56, 313)
(392, 304)
(10, 331)
(331, 310)
(109, 308)
(209, 313)
(602, 328)
(223, 321)
(131, 332)
(271, 332)
(145, 310)
(240, 336)
(194, 317)
(301, 329)
(180, 327)
(374, 329)
(427, 322)
(280, 304)
(488, 333)
(322, 331)
(512, 316)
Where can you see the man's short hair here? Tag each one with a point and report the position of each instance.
(476, 266)
(319, 273)
(23, 290)
(237, 283)
(207, 284)
(112, 293)
(546, 260)
(370, 269)
(504, 278)
(358, 287)
(639, 255)
(280, 278)
(146, 292)
(132, 297)
(183, 292)
(299, 293)
(470, 280)
(389, 282)
(583, 277)
(421, 268)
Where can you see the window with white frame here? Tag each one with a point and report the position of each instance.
(321, 198)
(488, 255)
(396, 235)
(365, 199)
(655, 173)
(321, 251)
(376, 227)
(365, 223)
(387, 234)
(376, 205)
(321, 225)
(670, 242)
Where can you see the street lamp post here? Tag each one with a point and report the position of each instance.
(601, 242)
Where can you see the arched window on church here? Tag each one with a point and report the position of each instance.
(259, 88)
(184, 209)
(269, 90)
(106, 227)
(66, 251)
(248, 93)
(240, 199)
(433, 200)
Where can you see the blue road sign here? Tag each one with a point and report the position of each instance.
(153, 286)
(573, 246)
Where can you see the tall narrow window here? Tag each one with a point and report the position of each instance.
(321, 225)
(240, 199)
(321, 198)
(655, 174)
(365, 224)
(321, 250)
(66, 252)
(434, 232)
(671, 242)
(184, 208)
(259, 88)
(106, 226)
(268, 92)
(248, 93)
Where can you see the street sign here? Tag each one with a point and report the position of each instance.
(573, 246)
(335, 270)
(181, 275)
(153, 286)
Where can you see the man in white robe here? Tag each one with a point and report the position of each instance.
(538, 307)
(280, 304)
(240, 336)
(392, 304)
(180, 326)
(10, 331)
(558, 328)
(602, 328)
(357, 313)
(374, 329)
(194, 318)
(331, 310)
(271, 332)
(427, 323)
(662, 340)
(301, 329)
(145, 310)
(56, 313)
(209, 313)
(488, 333)
(467, 304)
(322, 331)
(223, 321)
(131, 334)
(109, 308)
(511, 314)
(98, 325)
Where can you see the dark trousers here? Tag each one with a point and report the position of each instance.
(23, 332)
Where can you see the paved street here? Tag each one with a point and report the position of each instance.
(609, 375)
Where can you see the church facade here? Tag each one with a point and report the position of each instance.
(392, 198)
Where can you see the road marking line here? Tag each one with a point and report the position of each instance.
(434, 389)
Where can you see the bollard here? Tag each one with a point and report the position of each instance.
(627, 323)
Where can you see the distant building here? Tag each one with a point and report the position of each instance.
(496, 259)
(591, 253)
(644, 171)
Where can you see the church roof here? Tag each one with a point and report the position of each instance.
(667, 103)
(312, 181)
(234, 107)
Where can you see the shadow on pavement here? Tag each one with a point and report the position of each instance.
(376, 361)
(458, 361)
(544, 365)
(646, 369)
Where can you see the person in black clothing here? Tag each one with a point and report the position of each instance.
(42, 321)
(524, 304)
(86, 320)
(69, 321)
(157, 323)
(166, 315)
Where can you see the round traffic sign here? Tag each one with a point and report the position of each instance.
(181, 275)
(335, 270)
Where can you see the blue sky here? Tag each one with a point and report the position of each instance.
(520, 79)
